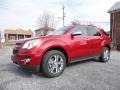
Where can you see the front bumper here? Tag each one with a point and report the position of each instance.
(29, 69)
(32, 66)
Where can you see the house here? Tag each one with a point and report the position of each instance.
(115, 25)
(16, 34)
(43, 31)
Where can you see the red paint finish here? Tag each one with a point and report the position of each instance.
(75, 47)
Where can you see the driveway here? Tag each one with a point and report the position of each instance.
(84, 75)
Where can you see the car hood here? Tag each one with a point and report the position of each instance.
(42, 37)
(27, 39)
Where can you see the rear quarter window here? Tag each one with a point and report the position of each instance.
(93, 31)
(104, 32)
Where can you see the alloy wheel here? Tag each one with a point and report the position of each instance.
(55, 64)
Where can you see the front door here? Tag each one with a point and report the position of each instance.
(80, 45)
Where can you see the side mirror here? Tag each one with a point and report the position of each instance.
(76, 34)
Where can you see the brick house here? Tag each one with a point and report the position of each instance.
(43, 31)
(115, 25)
(17, 34)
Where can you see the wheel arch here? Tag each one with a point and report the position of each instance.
(59, 49)
(55, 48)
(108, 46)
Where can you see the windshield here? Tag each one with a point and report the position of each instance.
(60, 31)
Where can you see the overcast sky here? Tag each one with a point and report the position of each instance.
(24, 13)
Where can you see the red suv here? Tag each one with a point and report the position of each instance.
(51, 54)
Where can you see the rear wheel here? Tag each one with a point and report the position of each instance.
(54, 63)
(105, 55)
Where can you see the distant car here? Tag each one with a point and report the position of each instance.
(50, 54)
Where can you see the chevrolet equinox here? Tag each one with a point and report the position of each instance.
(50, 54)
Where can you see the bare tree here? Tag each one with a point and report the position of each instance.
(47, 20)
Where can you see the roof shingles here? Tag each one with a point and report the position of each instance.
(18, 31)
(115, 7)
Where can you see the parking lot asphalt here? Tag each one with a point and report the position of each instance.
(84, 75)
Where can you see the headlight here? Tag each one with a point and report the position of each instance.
(32, 43)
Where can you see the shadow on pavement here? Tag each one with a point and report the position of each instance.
(19, 71)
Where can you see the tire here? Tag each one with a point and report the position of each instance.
(54, 63)
(105, 55)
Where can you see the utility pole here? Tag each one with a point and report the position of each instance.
(0, 40)
(63, 17)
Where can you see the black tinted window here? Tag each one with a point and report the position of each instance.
(93, 32)
(81, 30)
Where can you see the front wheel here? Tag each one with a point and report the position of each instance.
(105, 55)
(54, 63)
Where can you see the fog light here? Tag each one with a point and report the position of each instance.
(27, 60)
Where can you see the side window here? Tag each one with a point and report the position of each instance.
(93, 32)
(80, 30)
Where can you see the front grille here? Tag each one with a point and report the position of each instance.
(15, 52)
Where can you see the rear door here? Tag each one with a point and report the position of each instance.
(96, 39)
